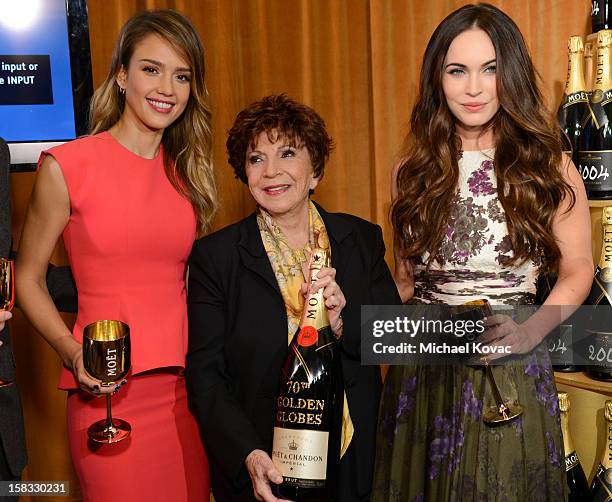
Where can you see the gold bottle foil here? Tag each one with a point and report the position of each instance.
(574, 83)
(571, 459)
(588, 62)
(564, 403)
(315, 313)
(605, 260)
(608, 411)
(602, 78)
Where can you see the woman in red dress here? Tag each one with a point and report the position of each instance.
(129, 201)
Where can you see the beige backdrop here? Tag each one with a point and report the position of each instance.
(355, 61)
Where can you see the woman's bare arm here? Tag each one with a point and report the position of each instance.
(47, 216)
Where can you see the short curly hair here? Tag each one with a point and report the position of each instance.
(279, 117)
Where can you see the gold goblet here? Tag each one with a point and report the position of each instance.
(106, 357)
(503, 411)
(7, 295)
(7, 284)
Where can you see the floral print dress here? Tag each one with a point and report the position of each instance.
(432, 442)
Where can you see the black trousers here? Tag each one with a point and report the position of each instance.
(6, 474)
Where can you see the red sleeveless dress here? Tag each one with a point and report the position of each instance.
(128, 239)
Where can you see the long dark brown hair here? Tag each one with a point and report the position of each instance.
(528, 160)
(188, 140)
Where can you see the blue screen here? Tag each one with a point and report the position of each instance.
(36, 101)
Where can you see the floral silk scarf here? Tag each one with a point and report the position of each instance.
(287, 266)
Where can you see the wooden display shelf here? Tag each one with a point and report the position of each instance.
(600, 203)
(581, 381)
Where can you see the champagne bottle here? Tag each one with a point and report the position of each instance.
(572, 113)
(600, 339)
(561, 338)
(601, 291)
(601, 487)
(600, 15)
(578, 488)
(595, 155)
(574, 105)
(306, 444)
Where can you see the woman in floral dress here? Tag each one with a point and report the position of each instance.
(479, 125)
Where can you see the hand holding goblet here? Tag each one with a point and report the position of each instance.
(503, 411)
(106, 357)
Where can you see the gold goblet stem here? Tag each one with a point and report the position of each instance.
(496, 393)
(504, 412)
(109, 431)
(109, 418)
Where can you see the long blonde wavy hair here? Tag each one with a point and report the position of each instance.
(188, 140)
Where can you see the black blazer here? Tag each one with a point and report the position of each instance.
(12, 436)
(238, 341)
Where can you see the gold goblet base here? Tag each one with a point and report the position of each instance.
(103, 432)
(502, 413)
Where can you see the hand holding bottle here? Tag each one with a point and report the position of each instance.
(263, 472)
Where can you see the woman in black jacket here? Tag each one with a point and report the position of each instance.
(244, 303)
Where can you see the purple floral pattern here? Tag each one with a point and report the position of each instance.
(462, 457)
(480, 182)
(406, 397)
(475, 242)
(390, 422)
(432, 441)
(544, 386)
(446, 447)
(554, 454)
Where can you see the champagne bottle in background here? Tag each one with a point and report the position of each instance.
(561, 345)
(601, 291)
(595, 155)
(600, 15)
(600, 328)
(578, 487)
(601, 487)
(563, 338)
(574, 105)
(572, 113)
(306, 444)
